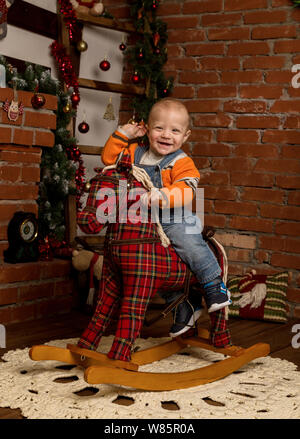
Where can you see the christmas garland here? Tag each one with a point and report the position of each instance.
(60, 164)
(296, 3)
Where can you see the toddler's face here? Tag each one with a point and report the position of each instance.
(167, 130)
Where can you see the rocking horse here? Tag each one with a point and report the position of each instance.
(137, 264)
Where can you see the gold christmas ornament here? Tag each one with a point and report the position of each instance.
(67, 108)
(87, 186)
(82, 46)
(109, 112)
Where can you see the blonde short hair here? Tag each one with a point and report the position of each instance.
(170, 103)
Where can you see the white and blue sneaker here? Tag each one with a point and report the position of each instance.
(185, 315)
(216, 296)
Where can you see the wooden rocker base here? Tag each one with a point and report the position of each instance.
(99, 369)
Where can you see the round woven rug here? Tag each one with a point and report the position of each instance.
(264, 388)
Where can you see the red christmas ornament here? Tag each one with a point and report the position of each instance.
(141, 54)
(75, 99)
(155, 4)
(157, 51)
(135, 78)
(122, 47)
(104, 65)
(83, 127)
(37, 101)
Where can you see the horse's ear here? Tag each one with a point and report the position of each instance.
(124, 164)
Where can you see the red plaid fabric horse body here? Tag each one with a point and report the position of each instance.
(136, 265)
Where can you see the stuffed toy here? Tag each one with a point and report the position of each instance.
(83, 260)
(4, 5)
(92, 7)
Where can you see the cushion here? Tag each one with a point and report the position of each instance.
(259, 296)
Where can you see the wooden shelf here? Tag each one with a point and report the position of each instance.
(109, 23)
(110, 86)
(90, 149)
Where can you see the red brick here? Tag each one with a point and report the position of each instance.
(261, 256)
(278, 165)
(249, 48)
(235, 208)
(3, 232)
(292, 106)
(217, 221)
(205, 49)
(256, 150)
(181, 22)
(6, 93)
(21, 272)
(44, 138)
(236, 240)
(183, 92)
(279, 3)
(288, 181)
(211, 149)
(199, 78)
(20, 157)
(42, 120)
(201, 135)
(239, 255)
(251, 179)
(18, 192)
(169, 9)
(202, 106)
(196, 7)
(201, 163)
(219, 91)
(282, 212)
(6, 120)
(241, 77)
(30, 174)
(292, 122)
(290, 152)
(221, 19)
(287, 228)
(33, 292)
(8, 296)
(237, 5)
(277, 243)
(277, 136)
(5, 134)
(215, 178)
(7, 210)
(293, 295)
(279, 77)
(265, 17)
(290, 46)
(257, 122)
(220, 193)
(260, 91)
(235, 33)
(221, 64)
(218, 120)
(237, 136)
(22, 137)
(236, 106)
(294, 198)
(263, 33)
(259, 194)
(54, 306)
(253, 224)
(23, 313)
(10, 173)
(232, 164)
(264, 62)
(287, 261)
(184, 36)
(55, 268)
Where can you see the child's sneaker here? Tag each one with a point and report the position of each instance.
(185, 315)
(216, 300)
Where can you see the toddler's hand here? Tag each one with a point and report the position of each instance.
(152, 197)
(134, 130)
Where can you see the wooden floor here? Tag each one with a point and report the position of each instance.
(244, 333)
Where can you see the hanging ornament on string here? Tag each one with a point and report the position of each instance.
(166, 89)
(123, 46)
(109, 112)
(82, 46)
(75, 99)
(14, 109)
(104, 65)
(68, 106)
(140, 55)
(38, 100)
(83, 127)
(156, 38)
(135, 78)
(155, 4)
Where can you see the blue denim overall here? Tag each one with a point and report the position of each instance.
(190, 247)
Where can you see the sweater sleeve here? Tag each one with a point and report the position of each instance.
(116, 143)
(183, 181)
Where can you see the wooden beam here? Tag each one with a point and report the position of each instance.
(111, 87)
(32, 18)
(90, 149)
(109, 23)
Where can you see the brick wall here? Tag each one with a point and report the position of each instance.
(232, 61)
(35, 289)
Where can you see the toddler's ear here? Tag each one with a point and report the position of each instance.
(187, 135)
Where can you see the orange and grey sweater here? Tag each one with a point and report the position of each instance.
(180, 174)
